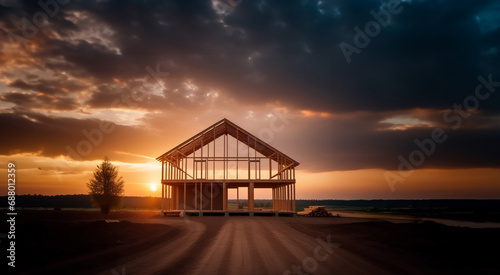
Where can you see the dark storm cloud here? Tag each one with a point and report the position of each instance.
(51, 87)
(40, 101)
(354, 142)
(51, 137)
(429, 55)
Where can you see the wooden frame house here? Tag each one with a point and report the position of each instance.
(198, 173)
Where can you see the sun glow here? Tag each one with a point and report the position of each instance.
(153, 187)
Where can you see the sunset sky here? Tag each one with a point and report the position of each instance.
(356, 91)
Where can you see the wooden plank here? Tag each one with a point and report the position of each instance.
(290, 165)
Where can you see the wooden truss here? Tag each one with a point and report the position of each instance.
(197, 174)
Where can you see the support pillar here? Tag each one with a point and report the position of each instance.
(272, 196)
(162, 198)
(195, 196)
(165, 189)
(201, 196)
(288, 208)
(170, 197)
(224, 196)
(281, 197)
(170, 201)
(185, 196)
(250, 197)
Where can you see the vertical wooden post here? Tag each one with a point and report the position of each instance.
(237, 198)
(281, 197)
(162, 197)
(285, 187)
(237, 153)
(195, 196)
(251, 197)
(270, 168)
(255, 158)
(272, 196)
(201, 195)
(248, 155)
(287, 197)
(293, 203)
(214, 155)
(167, 204)
(224, 196)
(185, 196)
(212, 195)
(288, 200)
(224, 158)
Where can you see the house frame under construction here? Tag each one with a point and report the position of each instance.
(198, 173)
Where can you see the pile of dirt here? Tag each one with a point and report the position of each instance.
(318, 211)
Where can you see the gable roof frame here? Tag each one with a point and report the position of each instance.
(226, 127)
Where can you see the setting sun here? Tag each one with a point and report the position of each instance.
(153, 187)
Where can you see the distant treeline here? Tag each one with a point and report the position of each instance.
(83, 201)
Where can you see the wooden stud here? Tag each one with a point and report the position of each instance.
(162, 170)
(251, 197)
(224, 196)
(237, 153)
(162, 198)
(272, 196)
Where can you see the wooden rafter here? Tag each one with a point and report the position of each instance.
(282, 170)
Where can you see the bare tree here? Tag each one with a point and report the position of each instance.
(106, 187)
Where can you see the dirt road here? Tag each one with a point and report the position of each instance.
(246, 245)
